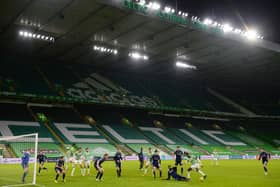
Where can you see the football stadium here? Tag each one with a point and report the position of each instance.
(135, 93)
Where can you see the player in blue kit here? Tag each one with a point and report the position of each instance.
(179, 158)
(156, 163)
(60, 169)
(118, 161)
(265, 157)
(25, 165)
(98, 167)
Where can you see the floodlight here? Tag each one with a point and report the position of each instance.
(21, 33)
(251, 34)
(167, 9)
(185, 65)
(237, 31)
(142, 2)
(208, 21)
(155, 6)
(137, 56)
(227, 28)
(25, 34)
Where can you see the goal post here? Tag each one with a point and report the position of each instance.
(16, 147)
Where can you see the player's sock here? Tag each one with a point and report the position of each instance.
(120, 171)
(45, 168)
(160, 173)
(182, 170)
(39, 170)
(73, 171)
(63, 176)
(88, 171)
(97, 176)
(23, 176)
(154, 173)
(100, 176)
(265, 169)
(145, 171)
(56, 177)
(189, 175)
(83, 171)
(201, 173)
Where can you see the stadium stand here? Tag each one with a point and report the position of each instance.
(26, 82)
(260, 101)
(16, 120)
(66, 124)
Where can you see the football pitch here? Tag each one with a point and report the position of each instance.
(229, 173)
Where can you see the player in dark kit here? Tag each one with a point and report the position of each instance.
(141, 159)
(118, 161)
(179, 158)
(172, 172)
(42, 158)
(60, 169)
(156, 163)
(98, 167)
(25, 165)
(265, 157)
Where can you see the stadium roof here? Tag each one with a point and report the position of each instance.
(78, 25)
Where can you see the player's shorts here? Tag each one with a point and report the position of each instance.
(95, 166)
(118, 164)
(24, 165)
(148, 162)
(71, 159)
(195, 166)
(87, 162)
(58, 170)
(78, 162)
(264, 161)
(156, 165)
(178, 162)
(41, 162)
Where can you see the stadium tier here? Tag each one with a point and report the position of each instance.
(66, 82)
(123, 128)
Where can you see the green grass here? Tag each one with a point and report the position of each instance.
(230, 173)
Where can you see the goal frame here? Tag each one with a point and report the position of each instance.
(7, 138)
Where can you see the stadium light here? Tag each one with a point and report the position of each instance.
(142, 2)
(207, 21)
(185, 65)
(167, 9)
(154, 5)
(103, 49)
(251, 34)
(227, 28)
(27, 34)
(138, 56)
(237, 31)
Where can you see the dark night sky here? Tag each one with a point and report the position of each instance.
(262, 15)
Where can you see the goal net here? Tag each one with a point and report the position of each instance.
(18, 161)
